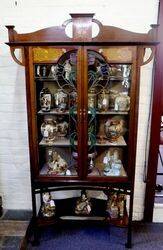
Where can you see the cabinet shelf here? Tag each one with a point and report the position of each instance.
(53, 112)
(119, 142)
(98, 213)
(109, 112)
(63, 142)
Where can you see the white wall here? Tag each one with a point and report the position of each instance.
(31, 15)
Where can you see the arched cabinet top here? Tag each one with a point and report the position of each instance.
(82, 34)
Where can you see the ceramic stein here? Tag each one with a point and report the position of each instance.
(73, 98)
(45, 99)
(62, 129)
(49, 130)
(122, 102)
(92, 98)
(61, 100)
(112, 96)
(103, 101)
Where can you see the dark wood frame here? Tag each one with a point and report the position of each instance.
(157, 111)
(82, 38)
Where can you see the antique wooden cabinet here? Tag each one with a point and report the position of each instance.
(82, 101)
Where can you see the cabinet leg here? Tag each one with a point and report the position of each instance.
(129, 239)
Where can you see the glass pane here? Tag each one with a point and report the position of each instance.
(56, 89)
(108, 112)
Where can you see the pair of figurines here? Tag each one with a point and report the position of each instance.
(112, 163)
(83, 205)
(48, 207)
(116, 205)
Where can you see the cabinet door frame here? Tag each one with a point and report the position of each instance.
(32, 115)
(132, 140)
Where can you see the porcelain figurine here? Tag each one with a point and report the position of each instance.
(114, 129)
(116, 164)
(67, 69)
(83, 205)
(61, 100)
(112, 206)
(103, 101)
(48, 208)
(53, 72)
(56, 164)
(107, 163)
(112, 163)
(122, 102)
(92, 98)
(49, 130)
(121, 204)
(45, 99)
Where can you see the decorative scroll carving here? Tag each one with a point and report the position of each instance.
(143, 49)
(82, 32)
(12, 50)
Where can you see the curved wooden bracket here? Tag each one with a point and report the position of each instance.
(12, 50)
(143, 54)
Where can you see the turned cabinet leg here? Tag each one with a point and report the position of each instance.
(129, 238)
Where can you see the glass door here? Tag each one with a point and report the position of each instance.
(57, 101)
(108, 106)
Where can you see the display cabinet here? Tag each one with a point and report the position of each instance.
(82, 101)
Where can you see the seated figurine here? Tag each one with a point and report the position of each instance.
(83, 205)
(48, 207)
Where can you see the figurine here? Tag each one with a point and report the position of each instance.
(103, 101)
(67, 68)
(112, 206)
(121, 204)
(49, 129)
(83, 205)
(48, 207)
(53, 72)
(45, 99)
(56, 164)
(107, 163)
(61, 100)
(122, 102)
(112, 163)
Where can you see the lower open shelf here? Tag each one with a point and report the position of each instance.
(65, 210)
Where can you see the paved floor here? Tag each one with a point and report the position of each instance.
(13, 225)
